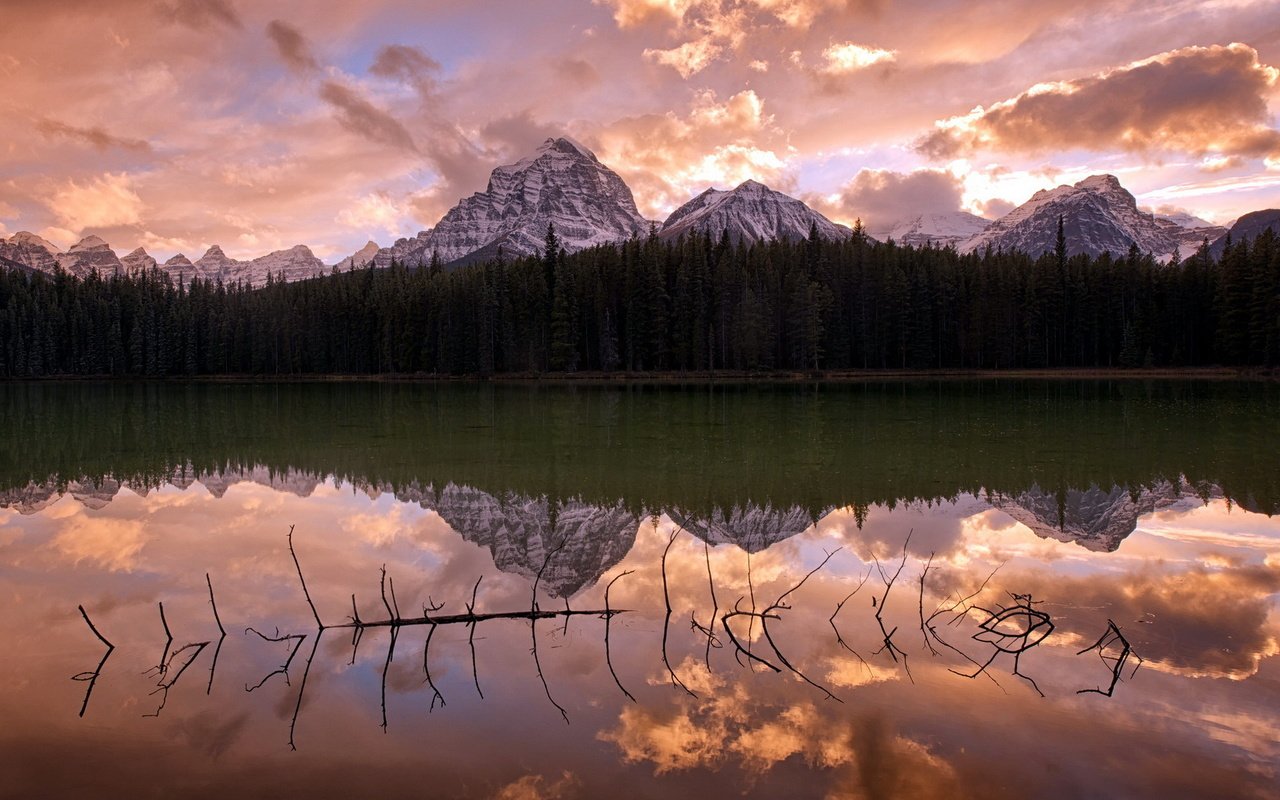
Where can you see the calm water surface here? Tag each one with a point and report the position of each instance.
(837, 591)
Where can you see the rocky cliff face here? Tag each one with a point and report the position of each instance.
(31, 251)
(1247, 227)
(361, 258)
(293, 264)
(752, 212)
(89, 254)
(1098, 216)
(562, 183)
(138, 261)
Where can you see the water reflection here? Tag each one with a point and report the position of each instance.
(482, 627)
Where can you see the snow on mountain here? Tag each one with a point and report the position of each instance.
(1184, 219)
(933, 229)
(752, 212)
(138, 261)
(1094, 518)
(361, 258)
(562, 183)
(30, 250)
(89, 254)
(1098, 215)
(1247, 227)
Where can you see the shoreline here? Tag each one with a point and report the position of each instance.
(713, 377)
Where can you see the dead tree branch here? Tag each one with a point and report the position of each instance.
(92, 677)
(889, 645)
(283, 669)
(1030, 627)
(1116, 663)
(303, 581)
(608, 618)
(666, 622)
(779, 605)
(221, 638)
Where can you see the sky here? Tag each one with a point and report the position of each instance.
(178, 124)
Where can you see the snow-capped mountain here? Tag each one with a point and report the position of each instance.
(89, 254)
(753, 528)
(31, 251)
(752, 212)
(562, 183)
(1094, 518)
(1250, 226)
(939, 230)
(1098, 215)
(361, 258)
(138, 261)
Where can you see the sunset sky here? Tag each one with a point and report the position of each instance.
(176, 124)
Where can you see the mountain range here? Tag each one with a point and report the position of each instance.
(562, 183)
(519, 531)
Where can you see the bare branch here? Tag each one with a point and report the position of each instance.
(303, 581)
(92, 677)
(608, 618)
(666, 622)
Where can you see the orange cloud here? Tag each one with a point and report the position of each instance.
(1198, 100)
(104, 201)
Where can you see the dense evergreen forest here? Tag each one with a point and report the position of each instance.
(644, 305)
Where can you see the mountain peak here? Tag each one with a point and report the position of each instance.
(751, 212)
(1101, 183)
(562, 183)
(89, 242)
(1098, 214)
(31, 239)
(568, 146)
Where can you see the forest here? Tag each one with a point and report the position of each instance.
(696, 304)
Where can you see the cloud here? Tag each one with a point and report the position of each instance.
(689, 58)
(409, 64)
(842, 59)
(373, 212)
(201, 14)
(103, 202)
(667, 158)
(1197, 100)
(361, 117)
(537, 787)
(628, 13)
(292, 46)
(882, 197)
(94, 135)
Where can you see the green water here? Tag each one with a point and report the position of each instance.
(654, 447)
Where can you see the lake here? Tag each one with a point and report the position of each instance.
(965, 588)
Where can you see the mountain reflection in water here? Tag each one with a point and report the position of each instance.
(839, 542)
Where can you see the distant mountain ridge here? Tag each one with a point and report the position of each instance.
(1249, 226)
(1098, 214)
(563, 183)
(939, 229)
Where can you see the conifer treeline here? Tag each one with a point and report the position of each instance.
(646, 304)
